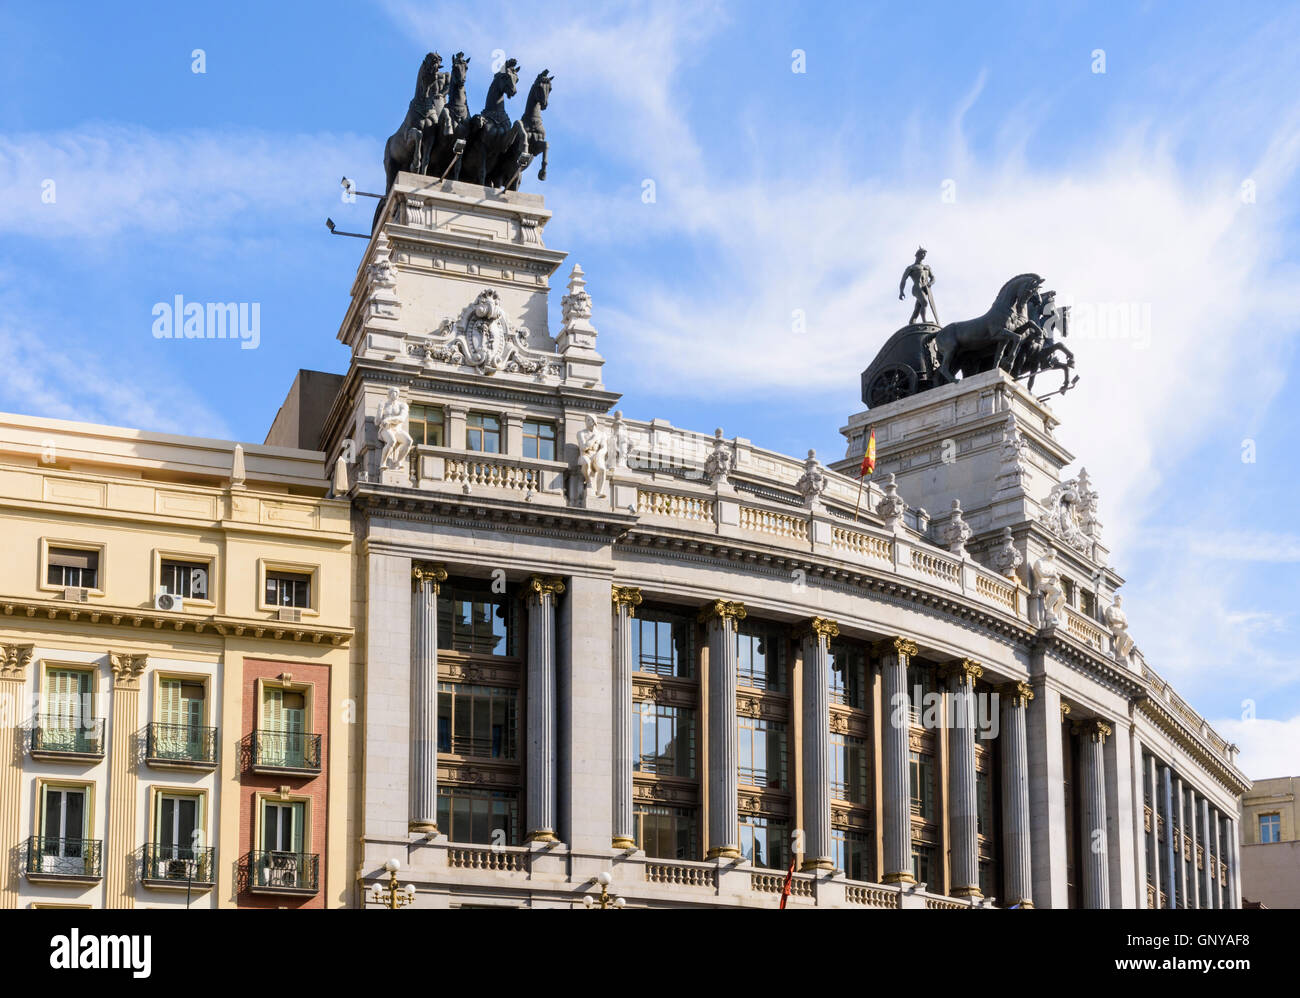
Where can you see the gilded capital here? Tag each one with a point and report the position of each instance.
(1018, 693)
(544, 585)
(425, 571)
(127, 669)
(1065, 712)
(905, 646)
(821, 627)
(628, 596)
(14, 660)
(724, 610)
(965, 672)
(1093, 727)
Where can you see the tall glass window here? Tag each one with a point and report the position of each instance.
(539, 440)
(762, 753)
(661, 643)
(760, 656)
(478, 720)
(472, 815)
(1270, 828)
(666, 832)
(426, 425)
(924, 867)
(848, 674)
(663, 739)
(852, 853)
(848, 768)
(475, 620)
(922, 780)
(483, 433)
(765, 841)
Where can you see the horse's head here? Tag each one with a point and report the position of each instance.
(541, 92)
(429, 68)
(507, 79)
(459, 68)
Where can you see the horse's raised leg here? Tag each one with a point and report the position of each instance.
(541, 174)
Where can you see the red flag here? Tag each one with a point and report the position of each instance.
(869, 456)
(789, 881)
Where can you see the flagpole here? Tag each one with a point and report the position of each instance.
(859, 505)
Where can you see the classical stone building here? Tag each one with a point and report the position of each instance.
(174, 671)
(596, 645)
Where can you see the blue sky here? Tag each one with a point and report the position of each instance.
(775, 191)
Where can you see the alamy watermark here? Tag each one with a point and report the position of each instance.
(182, 320)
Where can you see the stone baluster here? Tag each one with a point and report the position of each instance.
(626, 599)
(542, 736)
(1016, 836)
(816, 744)
(1096, 877)
(722, 617)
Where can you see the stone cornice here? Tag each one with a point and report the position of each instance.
(1182, 736)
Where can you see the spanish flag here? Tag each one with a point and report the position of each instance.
(869, 456)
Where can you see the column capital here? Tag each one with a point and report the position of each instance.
(820, 627)
(965, 672)
(722, 609)
(1093, 727)
(14, 660)
(426, 571)
(900, 645)
(1065, 711)
(1019, 693)
(127, 669)
(543, 585)
(628, 596)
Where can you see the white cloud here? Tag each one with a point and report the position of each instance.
(1269, 748)
(1224, 545)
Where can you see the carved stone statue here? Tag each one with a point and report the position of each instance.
(718, 465)
(891, 506)
(1070, 512)
(394, 415)
(1006, 557)
(1047, 584)
(812, 483)
(1117, 621)
(1013, 448)
(620, 442)
(922, 278)
(593, 457)
(957, 531)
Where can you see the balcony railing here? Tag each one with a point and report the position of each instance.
(285, 751)
(178, 865)
(182, 745)
(70, 737)
(64, 859)
(283, 872)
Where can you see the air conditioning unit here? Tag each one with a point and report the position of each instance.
(166, 601)
(289, 616)
(75, 594)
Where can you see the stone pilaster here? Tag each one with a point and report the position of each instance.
(1096, 877)
(425, 580)
(1217, 820)
(540, 799)
(1207, 846)
(626, 599)
(895, 730)
(961, 781)
(1154, 834)
(1180, 855)
(1017, 842)
(721, 618)
(1044, 718)
(119, 850)
(1170, 853)
(816, 748)
(14, 659)
(1193, 813)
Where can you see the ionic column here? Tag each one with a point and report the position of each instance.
(1171, 871)
(1198, 836)
(964, 811)
(425, 580)
(626, 600)
(1155, 827)
(14, 660)
(1180, 854)
(895, 730)
(816, 746)
(541, 792)
(721, 618)
(1218, 851)
(1207, 889)
(1096, 875)
(1016, 841)
(119, 850)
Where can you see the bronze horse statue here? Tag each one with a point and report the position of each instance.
(451, 123)
(538, 97)
(998, 332)
(1039, 348)
(496, 148)
(405, 148)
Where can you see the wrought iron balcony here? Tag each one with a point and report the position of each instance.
(178, 866)
(282, 872)
(182, 745)
(57, 859)
(284, 752)
(62, 737)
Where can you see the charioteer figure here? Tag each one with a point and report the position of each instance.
(922, 278)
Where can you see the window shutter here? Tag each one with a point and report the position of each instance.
(169, 702)
(273, 709)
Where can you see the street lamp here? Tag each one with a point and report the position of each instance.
(604, 901)
(392, 896)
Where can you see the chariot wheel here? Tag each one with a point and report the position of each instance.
(897, 381)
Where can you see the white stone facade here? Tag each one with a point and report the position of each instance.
(626, 520)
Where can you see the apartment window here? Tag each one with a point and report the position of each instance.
(762, 753)
(180, 734)
(665, 832)
(283, 862)
(177, 831)
(848, 674)
(72, 567)
(539, 440)
(924, 868)
(663, 739)
(65, 817)
(760, 657)
(478, 720)
(764, 842)
(485, 816)
(922, 781)
(661, 644)
(188, 579)
(426, 425)
(848, 768)
(1270, 828)
(851, 852)
(283, 738)
(288, 589)
(475, 620)
(68, 722)
(483, 433)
